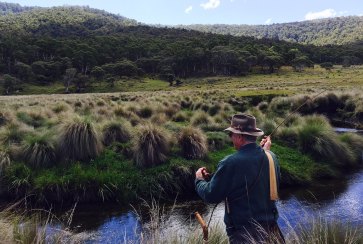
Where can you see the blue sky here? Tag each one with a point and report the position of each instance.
(172, 12)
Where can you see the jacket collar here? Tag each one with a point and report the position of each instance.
(248, 147)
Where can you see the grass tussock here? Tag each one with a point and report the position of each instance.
(151, 146)
(193, 143)
(13, 133)
(201, 118)
(116, 131)
(39, 151)
(317, 137)
(79, 140)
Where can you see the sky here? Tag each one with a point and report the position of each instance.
(251, 12)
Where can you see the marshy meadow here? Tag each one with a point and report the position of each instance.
(97, 148)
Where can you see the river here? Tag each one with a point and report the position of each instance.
(337, 199)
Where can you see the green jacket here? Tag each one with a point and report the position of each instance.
(232, 182)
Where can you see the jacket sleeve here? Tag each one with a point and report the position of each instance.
(217, 188)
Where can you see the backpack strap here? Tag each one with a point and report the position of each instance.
(273, 181)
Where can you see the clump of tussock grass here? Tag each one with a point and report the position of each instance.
(116, 131)
(358, 111)
(121, 111)
(79, 140)
(100, 103)
(280, 105)
(151, 146)
(13, 133)
(180, 117)
(317, 137)
(322, 231)
(328, 103)
(355, 142)
(268, 125)
(34, 119)
(288, 135)
(172, 109)
(200, 118)
(60, 107)
(263, 106)
(186, 103)
(145, 112)
(217, 140)
(159, 118)
(214, 109)
(5, 117)
(5, 160)
(193, 143)
(38, 151)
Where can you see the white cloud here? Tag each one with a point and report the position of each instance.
(211, 4)
(188, 9)
(327, 13)
(268, 21)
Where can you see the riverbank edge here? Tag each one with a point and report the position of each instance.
(113, 177)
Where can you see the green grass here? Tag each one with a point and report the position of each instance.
(284, 82)
(112, 176)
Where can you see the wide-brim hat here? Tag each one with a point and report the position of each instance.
(244, 124)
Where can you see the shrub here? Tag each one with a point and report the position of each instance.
(317, 137)
(200, 118)
(116, 131)
(150, 146)
(38, 151)
(79, 140)
(193, 143)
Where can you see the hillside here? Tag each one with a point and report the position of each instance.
(80, 45)
(60, 21)
(334, 31)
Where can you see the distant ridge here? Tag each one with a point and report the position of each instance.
(334, 31)
(59, 21)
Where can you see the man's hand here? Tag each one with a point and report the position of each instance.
(266, 143)
(201, 173)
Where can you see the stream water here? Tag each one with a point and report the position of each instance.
(337, 199)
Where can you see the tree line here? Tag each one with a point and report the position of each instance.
(333, 31)
(78, 45)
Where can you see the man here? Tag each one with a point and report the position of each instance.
(242, 180)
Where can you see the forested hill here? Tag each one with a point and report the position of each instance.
(60, 21)
(335, 31)
(80, 45)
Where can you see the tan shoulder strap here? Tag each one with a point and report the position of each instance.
(273, 181)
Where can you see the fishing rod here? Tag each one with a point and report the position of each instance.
(293, 112)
